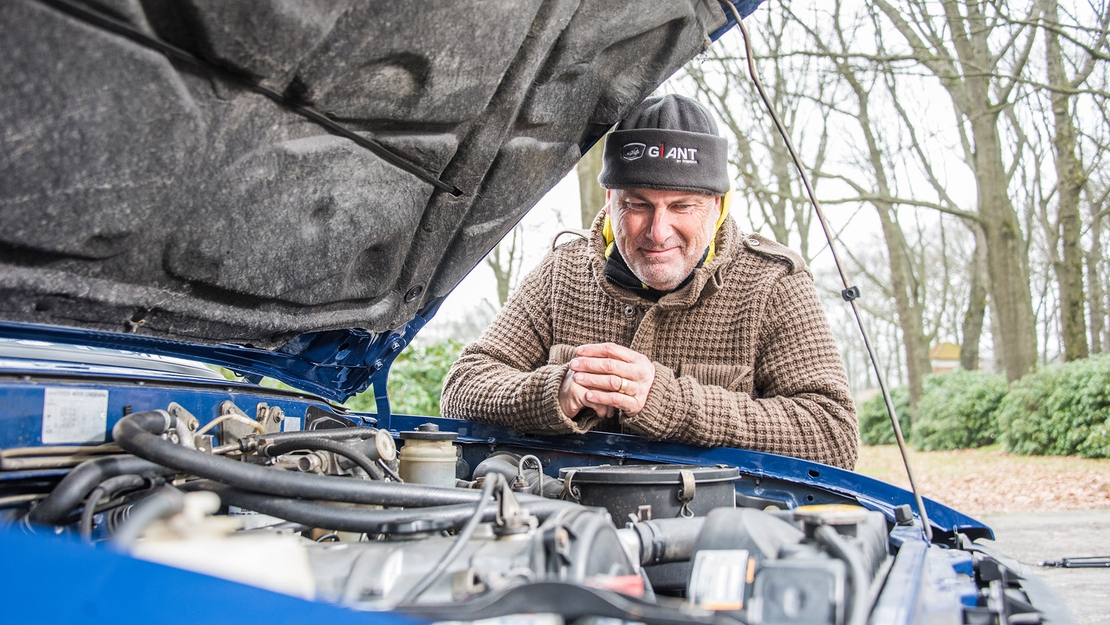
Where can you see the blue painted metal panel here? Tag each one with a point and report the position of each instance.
(804, 477)
(743, 7)
(335, 365)
(22, 402)
(58, 580)
(901, 595)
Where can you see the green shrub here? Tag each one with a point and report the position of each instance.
(415, 380)
(1059, 411)
(958, 411)
(874, 423)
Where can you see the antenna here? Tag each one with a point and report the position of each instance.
(850, 293)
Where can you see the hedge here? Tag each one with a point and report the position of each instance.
(874, 424)
(958, 411)
(1060, 410)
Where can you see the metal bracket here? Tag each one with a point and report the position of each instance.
(687, 492)
(850, 293)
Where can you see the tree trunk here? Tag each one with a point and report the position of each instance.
(1096, 294)
(972, 327)
(1015, 338)
(1069, 184)
(590, 192)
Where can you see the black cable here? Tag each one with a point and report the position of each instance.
(491, 483)
(79, 482)
(826, 535)
(335, 447)
(363, 520)
(139, 433)
(390, 472)
(107, 488)
(850, 293)
(162, 503)
(125, 30)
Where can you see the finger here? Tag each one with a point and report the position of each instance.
(602, 366)
(572, 400)
(602, 382)
(609, 350)
(619, 401)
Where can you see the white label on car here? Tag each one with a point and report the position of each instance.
(74, 415)
(291, 424)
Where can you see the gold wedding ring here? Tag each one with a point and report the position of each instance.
(624, 383)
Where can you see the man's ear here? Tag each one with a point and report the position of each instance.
(608, 192)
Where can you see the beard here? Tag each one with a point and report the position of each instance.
(666, 272)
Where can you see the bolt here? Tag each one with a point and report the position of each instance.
(414, 293)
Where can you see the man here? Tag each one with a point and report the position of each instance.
(667, 322)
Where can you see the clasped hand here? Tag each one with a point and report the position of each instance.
(608, 378)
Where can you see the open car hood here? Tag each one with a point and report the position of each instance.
(290, 189)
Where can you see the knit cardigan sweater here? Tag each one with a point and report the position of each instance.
(743, 354)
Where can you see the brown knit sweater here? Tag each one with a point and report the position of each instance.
(743, 354)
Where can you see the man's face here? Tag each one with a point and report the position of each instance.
(662, 234)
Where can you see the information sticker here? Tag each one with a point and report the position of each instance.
(74, 415)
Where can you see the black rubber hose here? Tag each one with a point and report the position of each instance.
(163, 503)
(107, 488)
(829, 537)
(668, 540)
(361, 520)
(76, 486)
(137, 433)
(335, 447)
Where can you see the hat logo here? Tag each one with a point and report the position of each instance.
(632, 151)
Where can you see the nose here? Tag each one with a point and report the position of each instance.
(661, 225)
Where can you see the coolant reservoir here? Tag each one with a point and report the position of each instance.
(428, 456)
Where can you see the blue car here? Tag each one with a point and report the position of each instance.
(288, 191)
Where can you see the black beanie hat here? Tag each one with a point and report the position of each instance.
(668, 143)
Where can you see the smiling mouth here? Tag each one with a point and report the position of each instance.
(658, 253)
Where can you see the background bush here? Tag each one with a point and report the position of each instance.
(1059, 410)
(958, 411)
(415, 380)
(874, 424)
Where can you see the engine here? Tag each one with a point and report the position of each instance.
(339, 515)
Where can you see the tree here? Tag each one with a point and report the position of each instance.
(978, 53)
(505, 261)
(767, 185)
(1070, 176)
(590, 193)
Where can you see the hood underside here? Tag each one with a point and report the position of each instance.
(210, 171)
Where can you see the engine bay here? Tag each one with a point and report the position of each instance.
(443, 521)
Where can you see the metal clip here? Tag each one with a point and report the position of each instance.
(569, 489)
(686, 492)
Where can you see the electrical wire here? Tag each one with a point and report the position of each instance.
(491, 482)
(107, 488)
(850, 293)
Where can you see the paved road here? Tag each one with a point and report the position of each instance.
(1034, 537)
